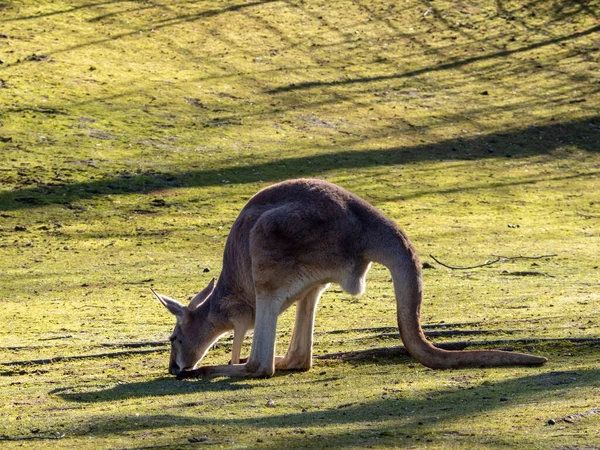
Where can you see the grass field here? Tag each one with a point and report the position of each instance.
(133, 132)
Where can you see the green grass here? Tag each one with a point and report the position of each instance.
(133, 132)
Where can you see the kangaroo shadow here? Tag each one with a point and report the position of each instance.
(155, 388)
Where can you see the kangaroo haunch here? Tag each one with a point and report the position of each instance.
(289, 242)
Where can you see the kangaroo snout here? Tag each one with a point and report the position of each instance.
(174, 369)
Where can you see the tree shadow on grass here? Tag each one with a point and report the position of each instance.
(177, 20)
(440, 67)
(392, 415)
(585, 134)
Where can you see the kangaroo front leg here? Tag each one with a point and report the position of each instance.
(239, 331)
(299, 354)
(261, 362)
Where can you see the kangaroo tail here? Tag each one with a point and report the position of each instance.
(402, 262)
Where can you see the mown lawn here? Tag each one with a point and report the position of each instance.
(133, 132)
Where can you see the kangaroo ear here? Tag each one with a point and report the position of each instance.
(176, 308)
(202, 295)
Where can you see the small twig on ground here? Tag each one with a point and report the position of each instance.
(56, 359)
(135, 344)
(573, 417)
(32, 437)
(526, 273)
(489, 263)
(103, 345)
(432, 334)
(55, 338)
(589, 216)
(510, 258)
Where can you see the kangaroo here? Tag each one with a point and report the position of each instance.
(289, 242)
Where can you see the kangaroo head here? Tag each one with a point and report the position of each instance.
(194, 332)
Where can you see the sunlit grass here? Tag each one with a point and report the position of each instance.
(132, 133)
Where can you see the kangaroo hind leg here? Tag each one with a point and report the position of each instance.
(299, 354)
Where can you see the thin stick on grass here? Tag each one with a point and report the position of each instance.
(33, 437)
(510, 258)
(56, 359)
(489, 263)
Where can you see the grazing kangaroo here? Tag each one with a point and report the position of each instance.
(289, 242)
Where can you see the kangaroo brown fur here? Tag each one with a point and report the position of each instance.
(289, 242)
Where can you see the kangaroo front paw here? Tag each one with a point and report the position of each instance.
(299, 365)
(196, 373)
(242, 361)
